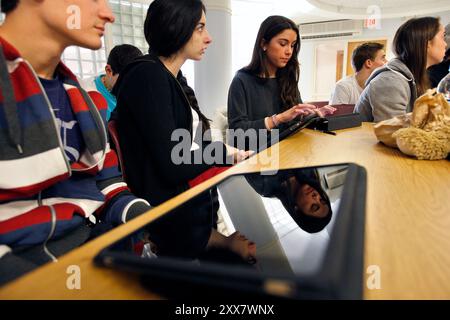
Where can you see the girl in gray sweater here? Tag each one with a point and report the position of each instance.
(392, 89)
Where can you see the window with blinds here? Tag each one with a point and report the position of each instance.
(85, 63)
(129, 25)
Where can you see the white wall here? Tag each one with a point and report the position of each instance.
(307, 58)
(318, 75)
(246, 19)
(213, 72)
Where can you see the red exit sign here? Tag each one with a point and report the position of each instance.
(370, 23)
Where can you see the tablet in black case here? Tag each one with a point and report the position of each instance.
(297, 257)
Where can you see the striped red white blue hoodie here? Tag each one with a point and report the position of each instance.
(42, 195)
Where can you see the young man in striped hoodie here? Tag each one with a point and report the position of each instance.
(57, 171)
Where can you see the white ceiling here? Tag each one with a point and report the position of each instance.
(387, 8)
(304, 11)
(294, 9)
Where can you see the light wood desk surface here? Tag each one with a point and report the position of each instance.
(407, 230)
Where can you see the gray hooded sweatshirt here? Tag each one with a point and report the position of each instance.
(390, 91)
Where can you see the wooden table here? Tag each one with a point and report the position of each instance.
(407, 223)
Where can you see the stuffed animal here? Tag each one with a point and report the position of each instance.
(424, 134)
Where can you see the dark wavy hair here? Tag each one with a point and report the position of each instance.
(305, 222)
(168, 27)
(410, 46)
(8, 5)
(288, 76)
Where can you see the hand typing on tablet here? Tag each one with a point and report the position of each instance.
(237, 154)
(295, 111)
(325, 110)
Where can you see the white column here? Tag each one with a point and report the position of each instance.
(213, 73)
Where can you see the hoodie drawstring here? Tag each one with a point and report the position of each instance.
(9, 103)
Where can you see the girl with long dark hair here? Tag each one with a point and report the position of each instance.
(155, 108)
(265, 95)
(392, 90)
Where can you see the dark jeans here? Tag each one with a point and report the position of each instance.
(24, 259)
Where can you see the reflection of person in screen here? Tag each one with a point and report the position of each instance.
(301, 194)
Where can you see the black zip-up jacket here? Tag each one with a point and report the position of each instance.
(151, 104)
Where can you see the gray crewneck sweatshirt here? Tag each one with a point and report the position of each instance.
(251, 99)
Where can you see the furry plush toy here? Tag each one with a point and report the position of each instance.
(424, 134)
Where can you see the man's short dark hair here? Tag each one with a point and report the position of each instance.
(364, 52)
(8, 5)
(122, 55)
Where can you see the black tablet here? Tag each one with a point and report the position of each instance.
(277, 135)
(303, 228)
(297, 126)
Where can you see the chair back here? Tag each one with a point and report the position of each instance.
(318, 104)
(112, 129)
(343, 109)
